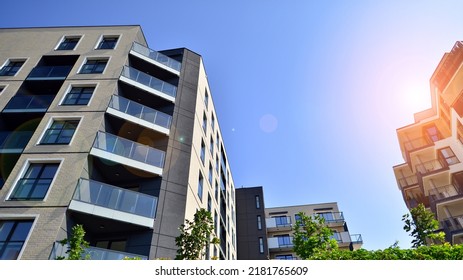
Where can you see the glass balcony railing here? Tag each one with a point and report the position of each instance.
(49, 72)
(149, 81)
(356, 238)
(129, 149)
(14, 140)
(283, 241)
(408, 181)
(157, 56)
(92, 253)
(140, 111)
(431, 166)
(281, 221)
(416, 143)
(332, 217)
(29, 103)
(115, 198)
(443, 192)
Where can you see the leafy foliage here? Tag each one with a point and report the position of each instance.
(195, 236)
(432, 252)
(77, 244)
(312, 235)
(422, 226)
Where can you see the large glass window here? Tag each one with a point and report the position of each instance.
(68, 43)
(78, 96)
(35, 182)
(282, 220)
(108, 42)
(13, 234)
(94, 66)
(60, 132)
(284, 240)
(11, 68)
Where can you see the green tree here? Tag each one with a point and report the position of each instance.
(77, 244)
(195, 236)
(422, 226)
(312, 235)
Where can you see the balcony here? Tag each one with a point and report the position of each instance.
(92, 253)
(356, 241)
(139, 114)
(332, 218)
(280, 244)
(49, 73)
(103, 200)
(156, 58)
(14, 141)
(28, 104)
(417, 143)
(127, 152)
(148, 83)
(278, 223)
(432, 166)
(408, 181)
(440, 194)
(452, 227)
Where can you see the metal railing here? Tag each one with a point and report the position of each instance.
(149, 81)
(408, 181)
(140, 111)
(115, 198)
(356, 238)
(157, 56)
(430, 166)
(129, 149)
(416, 143)
(443, 192)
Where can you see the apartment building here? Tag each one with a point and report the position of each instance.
(100, 130)
(432, 149)
(268, 234)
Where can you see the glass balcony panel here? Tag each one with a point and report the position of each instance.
(140, 111)
(149, 81)
(14, 139)
(116, 198)
(157, 56)
(430, 166)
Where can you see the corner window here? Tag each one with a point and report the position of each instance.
(35, 182)
(78, 95)
(68, 43)
(60, 132)
(94, 66)
(108, 42)
(12, 67)
(13, 234)
(200, 186)
(447, 155)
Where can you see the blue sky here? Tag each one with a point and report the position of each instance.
(308, 93)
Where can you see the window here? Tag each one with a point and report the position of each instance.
(447, 155)
(210, 174)
(206, 98)
(202, 155)
(13, 234)
(215, 222)
(284, 257)
(261, 245)
(257, 202)
(211, 144)
(282, 220)
(78, 96)
(1, 89)
(259, 222)
(212, 121)
(200, 186)
(68, 43)
(298, 218)
(209, 202)
(11, 68)
(35, 182)
(216, 191)
(328, 216)
(204, 123)
(108, 42)
(336, 236)
(433, 133)
(60, 132)
(94, 66)
(116, 245)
